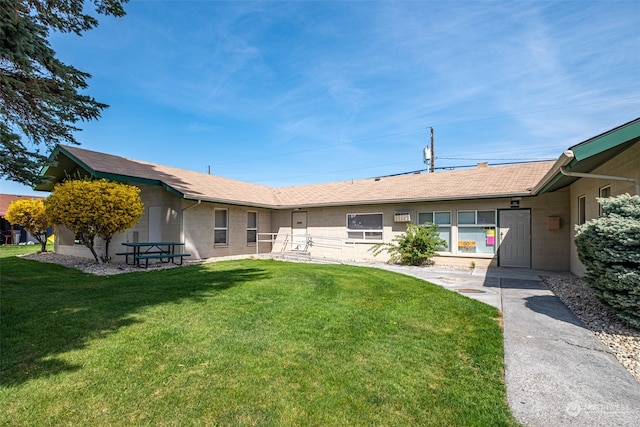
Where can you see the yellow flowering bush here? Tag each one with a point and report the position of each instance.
(30, 214)
(94, 208)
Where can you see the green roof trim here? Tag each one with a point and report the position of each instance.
(607, 140)
(590, 154)
(102, 175)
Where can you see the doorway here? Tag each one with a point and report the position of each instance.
(298, 231)
(155, 223)
(515, 238)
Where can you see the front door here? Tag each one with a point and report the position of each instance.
(515, 238)
(299, 231)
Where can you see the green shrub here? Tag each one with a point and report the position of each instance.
(414, 247)
(609, 247)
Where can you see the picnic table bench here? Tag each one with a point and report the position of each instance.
(145, 251)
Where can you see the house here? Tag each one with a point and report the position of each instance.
(11, 233)
(519, 215)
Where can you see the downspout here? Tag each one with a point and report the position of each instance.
(569, 155)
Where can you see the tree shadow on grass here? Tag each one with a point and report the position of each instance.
(47, 310)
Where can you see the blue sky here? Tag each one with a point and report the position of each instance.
(297, 92)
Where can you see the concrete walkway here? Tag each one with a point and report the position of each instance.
(558, 373)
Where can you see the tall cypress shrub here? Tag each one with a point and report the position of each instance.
(609, 248)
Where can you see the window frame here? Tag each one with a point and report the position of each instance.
(476, 224)
(606, 188)
(252, 229)
(447, 249)
(582, 209)
(217, 228)
(372, 232)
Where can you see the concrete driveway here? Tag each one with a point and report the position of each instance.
(557, 371)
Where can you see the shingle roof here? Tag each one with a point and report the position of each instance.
(7, 199)
(190, 184)
(482, 182)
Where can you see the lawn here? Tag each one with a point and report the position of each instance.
(251, 342)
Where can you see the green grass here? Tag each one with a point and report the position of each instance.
(244, 343)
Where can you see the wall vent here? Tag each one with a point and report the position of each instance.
(402, 217)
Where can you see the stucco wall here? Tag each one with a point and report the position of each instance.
(627, 164)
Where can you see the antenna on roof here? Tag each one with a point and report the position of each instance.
(429, 156)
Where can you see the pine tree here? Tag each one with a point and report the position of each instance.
(40, 103)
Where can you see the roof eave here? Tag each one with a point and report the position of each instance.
(594, 146)
(408, 200)
(567, 158)
(195, 197)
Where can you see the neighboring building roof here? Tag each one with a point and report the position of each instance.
(590, 154)
(7, 199)
(481, 182)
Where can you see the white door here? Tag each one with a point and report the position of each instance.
(155, 223)
(299, 231)
(515, 238)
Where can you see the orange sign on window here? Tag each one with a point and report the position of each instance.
(466, 246)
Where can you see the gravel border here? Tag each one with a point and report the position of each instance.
(89, 265)
(622, 340)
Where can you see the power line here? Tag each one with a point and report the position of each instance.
(480, 160)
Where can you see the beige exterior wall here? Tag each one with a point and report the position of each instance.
(193, 223)
(549, 248)
(151, 196)
(199, 230)
(626, 164)
(64, 244)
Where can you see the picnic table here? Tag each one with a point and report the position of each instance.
(144, 251)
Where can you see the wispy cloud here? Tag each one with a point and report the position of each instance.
(328, 86)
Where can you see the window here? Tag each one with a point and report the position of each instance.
(581, 210)
(443, 221)
(221, 230)
(477, 232)
(364, 226)
(605, 192)
(252, 227)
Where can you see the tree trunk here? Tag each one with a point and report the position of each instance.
(43, 242)
(89, 243)
(106, 250)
